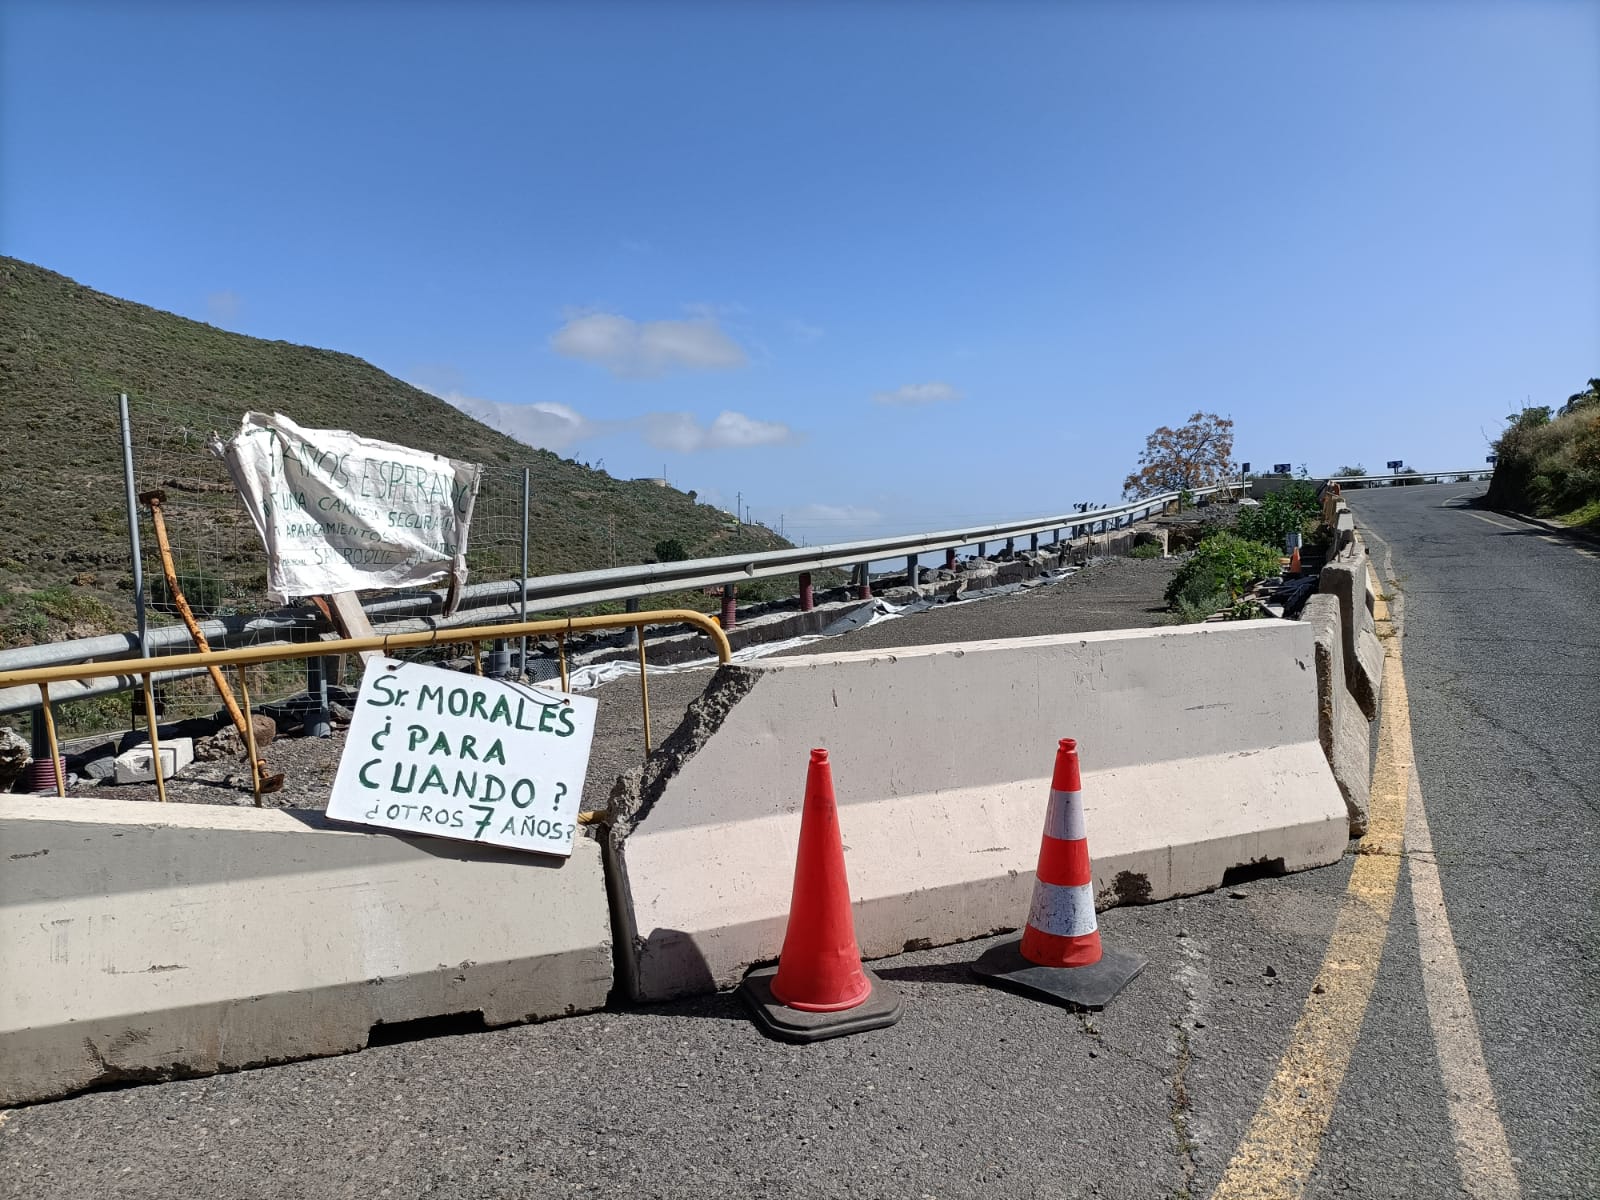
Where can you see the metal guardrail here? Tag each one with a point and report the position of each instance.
(145, 669)
(1413, 476)
(420, 612)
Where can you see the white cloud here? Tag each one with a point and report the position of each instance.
(552, 426)
(919, 393)
(645, 348)
(543, 424)
(802, 331)
(224, 305)
(835, 514)
(681, 431)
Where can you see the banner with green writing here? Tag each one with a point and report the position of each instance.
(460, 756)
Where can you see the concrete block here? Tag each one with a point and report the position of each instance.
(1344, 732)
(1344, 528)
(1201, 757)
(137, 765)
(149, 941)
(1346, 578)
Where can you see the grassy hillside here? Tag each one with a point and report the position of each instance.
(1549, 463)
(65, 353)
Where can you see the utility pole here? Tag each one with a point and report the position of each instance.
(738, 509)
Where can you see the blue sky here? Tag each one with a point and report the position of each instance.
(872, 266)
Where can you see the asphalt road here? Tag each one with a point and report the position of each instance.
(980, 1093)
(1502, 657)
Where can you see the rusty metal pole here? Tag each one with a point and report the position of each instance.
(50, 736)
(808, 599)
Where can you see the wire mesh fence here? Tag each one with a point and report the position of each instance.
(218, 562)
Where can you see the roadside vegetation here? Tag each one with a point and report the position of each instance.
(1548, 461)
(1227, 562)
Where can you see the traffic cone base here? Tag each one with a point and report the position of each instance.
(1059, 956)
(1089, 987)
(880, 1007)
(819, 988)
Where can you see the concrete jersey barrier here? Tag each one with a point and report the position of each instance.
(1201, 762)
(147, 941)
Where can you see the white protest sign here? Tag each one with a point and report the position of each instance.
(338, 512)
(460, 756)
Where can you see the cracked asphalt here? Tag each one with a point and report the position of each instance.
(977, 1092)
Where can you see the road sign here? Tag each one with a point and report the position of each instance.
(459, 756)
(1282, 468)
(1244, 468)
(1490, 458)
(1396, 463)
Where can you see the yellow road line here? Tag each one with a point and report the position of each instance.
(1279, 1150)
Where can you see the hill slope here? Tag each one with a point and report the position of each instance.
(65, 353)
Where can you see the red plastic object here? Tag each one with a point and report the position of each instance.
(819, 969)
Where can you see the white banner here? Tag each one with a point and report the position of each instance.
(338, 512)
(459, 756)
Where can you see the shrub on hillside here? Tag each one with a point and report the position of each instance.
(1550, 464)
(1292, 510)
(1221, 569)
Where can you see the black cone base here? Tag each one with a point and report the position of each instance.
(778, 1020)
(1090, 987)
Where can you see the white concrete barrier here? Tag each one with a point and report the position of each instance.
(146, 941)
(1342, 728)
(1348, 577)
(1201, 762)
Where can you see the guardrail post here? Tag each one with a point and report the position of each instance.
(319, 723)
(807, 596)
(730, 605)
(631, 604)
(950, 558)
(912, 579)
(863, 582)
(1011, 547)
(983, 549)
(1033, 542)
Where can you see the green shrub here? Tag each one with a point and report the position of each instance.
(206, 593)
(1146, 550)
(1221, 569)
(1292, 510)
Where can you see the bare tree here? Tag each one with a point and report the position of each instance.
(1192, 456)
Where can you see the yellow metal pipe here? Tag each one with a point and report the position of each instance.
(155, 742)
(644, 697)
(248, 655)
(50, 735)
(250, 738)
(561, 653)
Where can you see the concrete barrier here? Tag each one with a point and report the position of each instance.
(1201, 758)
(148, 941)
(1342, 729)
(1348, 578)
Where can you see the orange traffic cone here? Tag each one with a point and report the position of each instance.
(819, 989)
(1294, 561)
(1060, 956)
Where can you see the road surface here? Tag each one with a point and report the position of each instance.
(1327, 1034)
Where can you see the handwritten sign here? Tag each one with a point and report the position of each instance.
(459, 756)
(338, 512)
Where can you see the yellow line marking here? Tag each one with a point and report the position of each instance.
(1482, 1153)
(1279, 1150)
(1492, 521)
